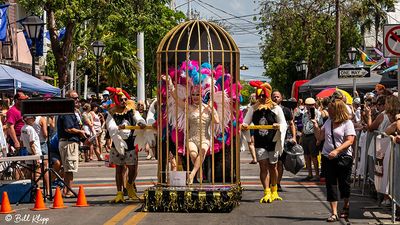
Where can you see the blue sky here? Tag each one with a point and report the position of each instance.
(242, 29)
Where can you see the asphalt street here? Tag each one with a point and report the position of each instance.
(303, 202)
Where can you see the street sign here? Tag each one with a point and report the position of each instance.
(391, 46)
(357, 72)
(391, 39)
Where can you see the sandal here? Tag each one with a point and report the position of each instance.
(332, 218)
(344, 213)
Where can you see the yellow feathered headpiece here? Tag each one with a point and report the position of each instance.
(263, 90)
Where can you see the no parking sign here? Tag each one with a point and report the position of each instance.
(391, 38)
(391, 46)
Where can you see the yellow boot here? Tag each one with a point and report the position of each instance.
(131, 191)
(119, 198)
(275, 195)
(267, 196)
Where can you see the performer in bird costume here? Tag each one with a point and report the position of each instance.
(268, 142)
(123, 153)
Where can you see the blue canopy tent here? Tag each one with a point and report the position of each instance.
(12, 79)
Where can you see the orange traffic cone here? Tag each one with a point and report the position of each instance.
(5, 204)
(39, 203)
(81, 202)
(58, 202)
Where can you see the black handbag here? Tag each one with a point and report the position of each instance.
(344, 160)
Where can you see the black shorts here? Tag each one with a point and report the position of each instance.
(309, 144)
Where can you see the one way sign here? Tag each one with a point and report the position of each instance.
(357, 72)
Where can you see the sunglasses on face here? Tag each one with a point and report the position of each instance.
(75, 98)
(124, 99)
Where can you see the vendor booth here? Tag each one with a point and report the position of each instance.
(13, 80)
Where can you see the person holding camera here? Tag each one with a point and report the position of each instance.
(69, 135)
(339, 134)
(308, 140)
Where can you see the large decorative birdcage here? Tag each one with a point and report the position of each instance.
(198, 120)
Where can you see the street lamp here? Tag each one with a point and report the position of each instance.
(302, 66)
(244, 67)
(98, 48)
(351, 54)
(32, 26)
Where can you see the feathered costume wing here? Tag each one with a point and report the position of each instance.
(177, 116)
(223, 108)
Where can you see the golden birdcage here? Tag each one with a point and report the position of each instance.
(197, 120)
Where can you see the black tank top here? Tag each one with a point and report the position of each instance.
(127, 119)
(264, 138)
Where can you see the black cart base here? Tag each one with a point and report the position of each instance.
(204, 198)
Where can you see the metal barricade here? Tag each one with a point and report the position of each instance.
(368, 175)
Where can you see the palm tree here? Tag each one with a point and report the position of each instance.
(373, 13)
(120, 63)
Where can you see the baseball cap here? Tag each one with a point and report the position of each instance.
(309, 101)
(20, 96)
(106, 92)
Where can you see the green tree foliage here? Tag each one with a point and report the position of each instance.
(116, 23)
(295, 30)
(373, 14)
(246, 91)
(69, 14)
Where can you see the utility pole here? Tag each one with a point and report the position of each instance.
(140, 55)
(140, 77)
(172, 5)
(189, 11)
(337, 54)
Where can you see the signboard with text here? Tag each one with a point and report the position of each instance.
(357, 72)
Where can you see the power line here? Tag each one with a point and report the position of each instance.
(255, 46)
(183, 4)
(235, 16)
(226, 21)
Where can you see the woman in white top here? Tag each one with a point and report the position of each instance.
(383, 120)
(97, 126)
(40, 127)
(338, 133)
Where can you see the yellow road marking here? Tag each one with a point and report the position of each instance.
(121, 214)
(136, 218)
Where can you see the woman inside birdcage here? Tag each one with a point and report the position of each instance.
(205, 107)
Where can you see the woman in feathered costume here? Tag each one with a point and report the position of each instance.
(268, 143)
(199, 137)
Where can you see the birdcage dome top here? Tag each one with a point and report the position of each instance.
(197, 35)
